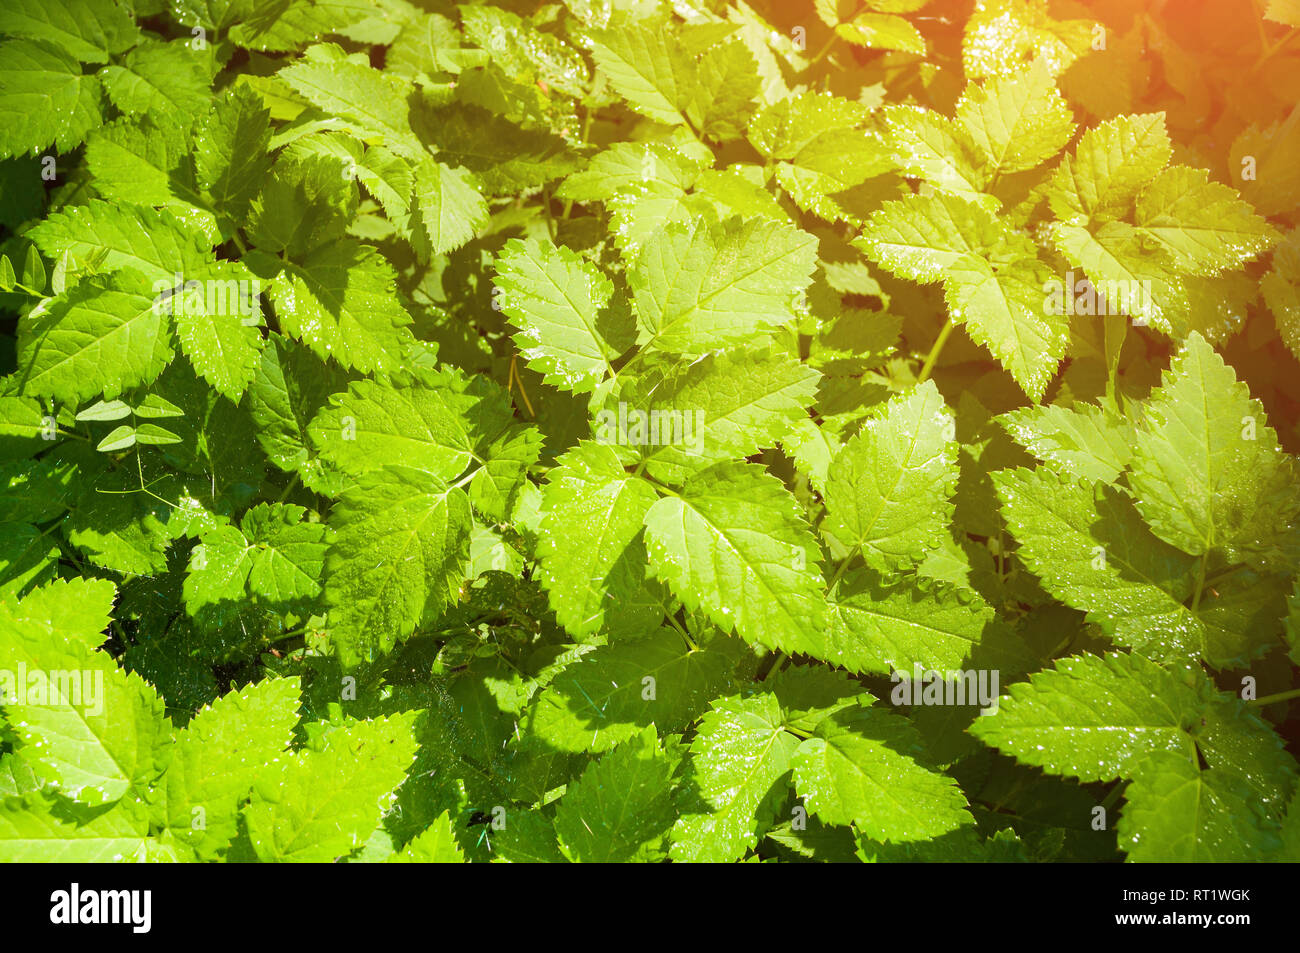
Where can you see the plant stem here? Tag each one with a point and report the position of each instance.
(826, 48)
(777, 660)
(1215, 578)
(466, 479)
(839, 571)
(551, 228)
(516, 379)
(1200, 584)
(933, 356)
(1114, 343)
(1277, 697)
(1113, 796)
(684, 634)
(288, 489)
(288, 635)
(1276, 48)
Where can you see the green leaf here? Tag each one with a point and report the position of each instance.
(993, 280)
(436, 845)
(860, 768)
(648, 69)
(89, 30)
(76, 609)
(401, 544)
(436, 422)
(1092, 551)
(1207, 471)
(1001, 35)
(83, 724)
(1129, 278)
(821, 150)
(30, 832)
(524, 52)
(605, 699)
(1016, 121)
(883, 31)
(505, 157)
(447, 209)
(928, 145)
(882, 628)
(627, 166)
(118, 235)
(1281, 290)
(1094, 718)
(720, 407)
(322, 804)
(167, 81)
(304, 207)
(726, 87)
(119, 439)
(224, 750)
(741, 757)
(34, 275)
(27, 558)
(733, 545)
(341, 301)
(888, 489)
(149, 164)
(711, 284)
(118, 527)
(47, 100)
(559, 304)
(230, 151)
(621, 807)
(103, 335)
(1204, 226)
(1002, 308)
(590, 549)
(273, 558)
(217, 323)
(1177, 813)
(290, 386)
(373, 103)
(1083, 441)
(1233, 737)
(284, 25)
(1112, 163)
(35, 490)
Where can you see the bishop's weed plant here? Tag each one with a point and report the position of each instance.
(623, 430)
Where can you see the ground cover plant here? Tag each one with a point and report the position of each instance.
(615, 430)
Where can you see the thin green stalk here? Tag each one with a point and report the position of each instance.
(1200, 584)
(777, 661)
(839, 572)
(684, 634)
(826, 48)
(1277, 697)
(284, 636)
(1113, 796)
(288, 489)
(466, 479)
(933, 356)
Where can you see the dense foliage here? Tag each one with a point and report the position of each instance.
(618, 430)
